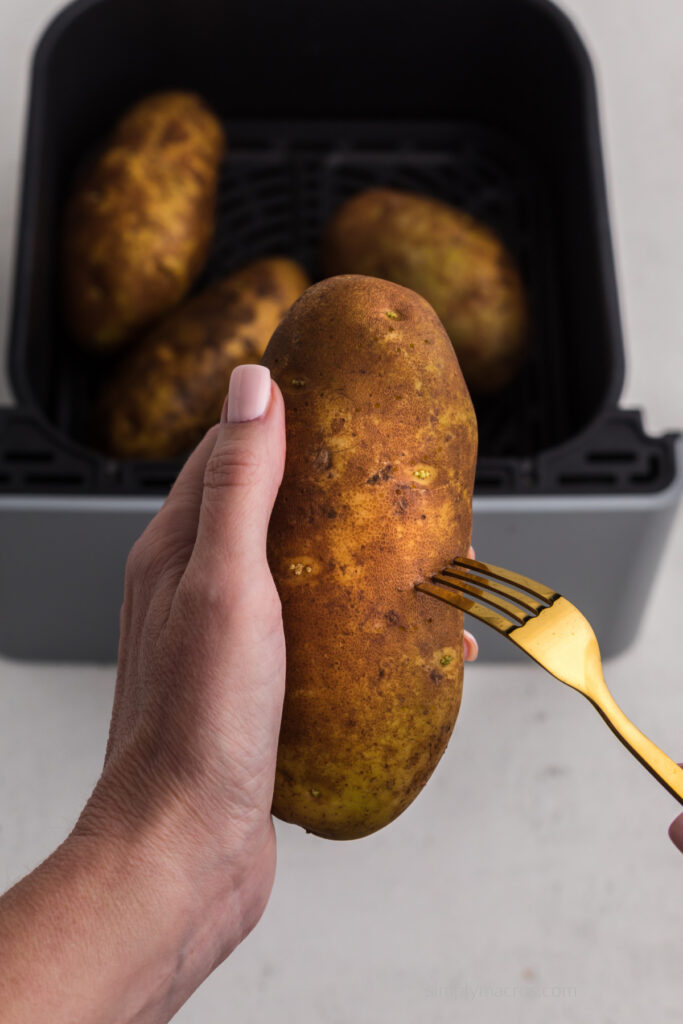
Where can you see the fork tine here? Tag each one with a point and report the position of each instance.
(514, 612)
(531, 604)
(459, 600)
(561, 640)
(532, 587)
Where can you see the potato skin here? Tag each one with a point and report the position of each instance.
(140, 220)
(381, 451)
(451, 259)
(170, 387)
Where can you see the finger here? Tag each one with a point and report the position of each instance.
(676, 827)
(471, 646)
(470, 641)
(241, 480)
(179, 514)
(163, 549)
(676, 832)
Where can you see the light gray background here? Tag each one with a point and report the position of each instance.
(533, 879)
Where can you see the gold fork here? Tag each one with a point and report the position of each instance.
(556, 635)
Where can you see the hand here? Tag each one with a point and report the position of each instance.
(195, 723)
(198, 702)
(676, 829)
(172, 861)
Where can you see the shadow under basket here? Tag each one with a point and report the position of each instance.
(489, 105)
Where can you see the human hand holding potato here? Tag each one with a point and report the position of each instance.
(172, 860)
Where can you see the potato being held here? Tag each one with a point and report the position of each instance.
(381, 451)
(140, 220)
(169, 388)
(455, 262)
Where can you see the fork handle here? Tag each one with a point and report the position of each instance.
(648, 753)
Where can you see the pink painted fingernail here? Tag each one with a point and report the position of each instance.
(248, 394)
(471, 646)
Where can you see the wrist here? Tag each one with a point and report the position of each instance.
(100, 931)
(173, 845)
(169, 892)
(186, 829)
(142, 902)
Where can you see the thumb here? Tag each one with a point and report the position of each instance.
(241, 479)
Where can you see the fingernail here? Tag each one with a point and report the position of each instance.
(471, 646)
(248, 393)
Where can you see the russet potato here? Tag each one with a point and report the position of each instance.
(454, 261)
(169, 387)
(381, 451)
(140, 219)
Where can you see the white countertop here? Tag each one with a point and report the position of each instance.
(533, 879)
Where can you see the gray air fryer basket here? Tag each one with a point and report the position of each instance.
(488, 104)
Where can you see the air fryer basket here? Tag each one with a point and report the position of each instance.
(488, 105)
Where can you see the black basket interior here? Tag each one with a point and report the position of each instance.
(532, 173)
(281, 183)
